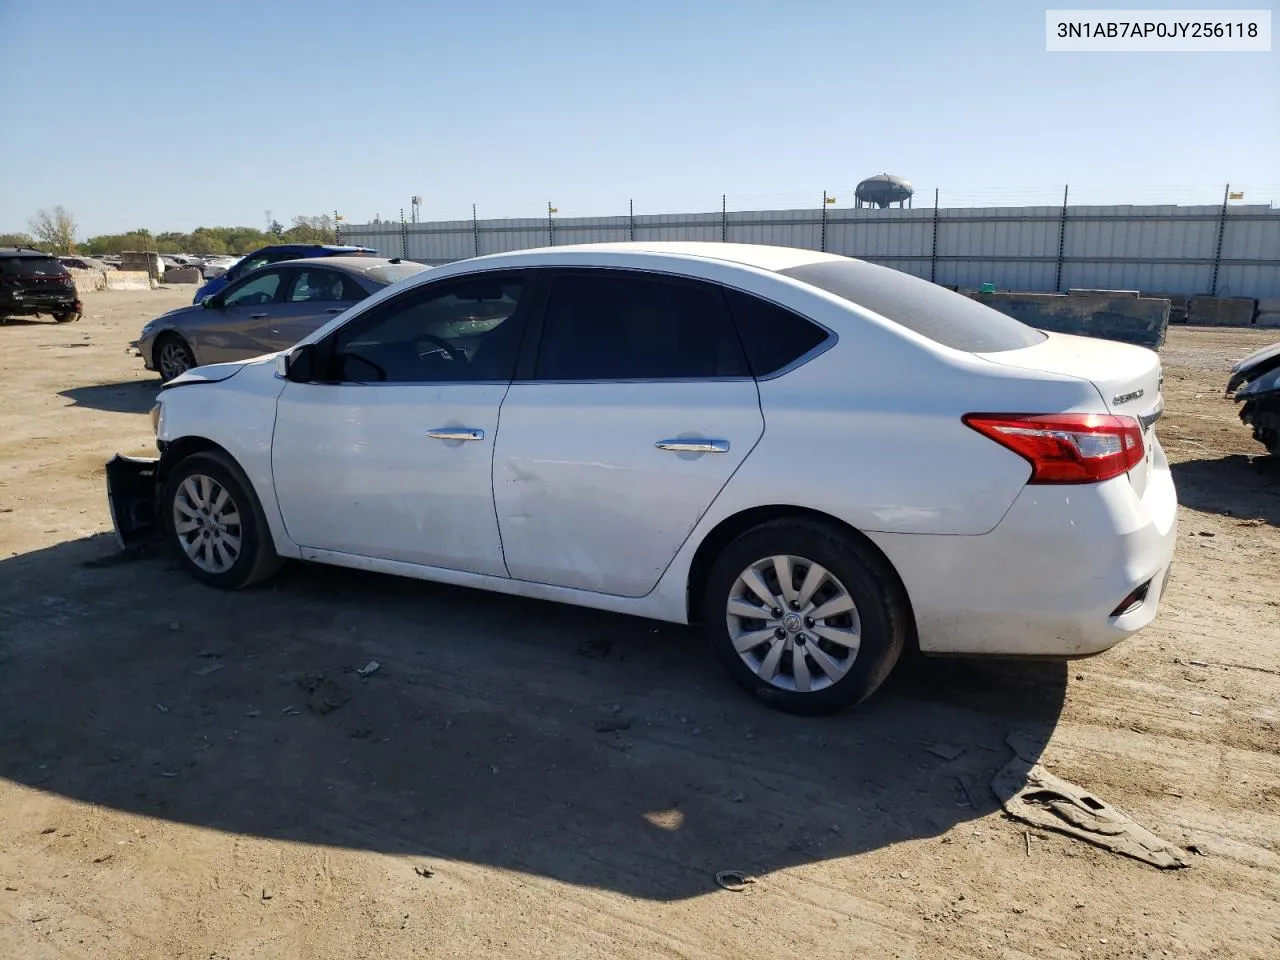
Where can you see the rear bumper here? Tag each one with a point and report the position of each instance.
(1053, 579)
(33, 304)
(131, 497)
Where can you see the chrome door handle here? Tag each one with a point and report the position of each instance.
(693, 446)
(257, 316)
(456, 433)
(335, 309)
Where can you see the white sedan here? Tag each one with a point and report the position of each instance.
(818, 459)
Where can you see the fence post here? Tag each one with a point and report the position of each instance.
(724, 218)
(822, 241)
(337, 227)
(1222, 230)
(1062, 239)
(551, 226)
(404, 236)
(933, 257)
(631, 221)
(475, 231)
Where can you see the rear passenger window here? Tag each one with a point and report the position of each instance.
(772, 336)
(612, 325)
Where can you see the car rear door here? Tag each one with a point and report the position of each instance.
(632, 410)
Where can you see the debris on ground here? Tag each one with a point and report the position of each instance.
(325, 694)
(424, 872)
(1031, 794)
(162, 708)
(735, 881)
(369, 668)
(595, 649)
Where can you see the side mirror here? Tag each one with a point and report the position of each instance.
(212, 302)
(299, 364)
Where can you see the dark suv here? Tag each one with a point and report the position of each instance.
(33, 282)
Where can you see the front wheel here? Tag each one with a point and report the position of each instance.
(804, 617)
(173, 357)
(216, 524)
(65, 317)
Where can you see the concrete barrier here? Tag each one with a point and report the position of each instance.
(1140, 320)
(183, 275)
(127, 280)
(1271, 319)
(88, 281)
(1179, 304)
(1222, 311)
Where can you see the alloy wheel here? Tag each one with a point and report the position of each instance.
(793, 623)
(207, 523)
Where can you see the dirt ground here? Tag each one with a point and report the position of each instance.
(189, 774)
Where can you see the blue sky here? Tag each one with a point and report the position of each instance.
(170, 116)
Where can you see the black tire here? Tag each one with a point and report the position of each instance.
(65, 317)
(256, 559)
(167, 346)
(881, 608)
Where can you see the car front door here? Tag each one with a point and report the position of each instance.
(389, 454)
(234, 325)
(315, 296)
(631, 418)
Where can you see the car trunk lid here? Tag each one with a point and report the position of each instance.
(1128, 379)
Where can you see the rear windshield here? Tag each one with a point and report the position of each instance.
(945, 317)
(391, 272)
(30, 266)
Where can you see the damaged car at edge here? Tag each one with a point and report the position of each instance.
(1255, 384)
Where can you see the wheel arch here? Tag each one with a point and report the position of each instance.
(733, 526)
(175, 451)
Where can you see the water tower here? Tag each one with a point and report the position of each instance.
(882, 191)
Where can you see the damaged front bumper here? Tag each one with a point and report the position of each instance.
(132, 494)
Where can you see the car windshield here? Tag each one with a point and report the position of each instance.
(30, 266)
(391, 272)
(932, 311)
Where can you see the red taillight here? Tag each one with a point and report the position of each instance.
(1066, 447)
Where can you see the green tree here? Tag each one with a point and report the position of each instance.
(276, 229)
(56, 229)
(312, 230)
(17, 240)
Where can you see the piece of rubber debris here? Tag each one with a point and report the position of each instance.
(735, 881)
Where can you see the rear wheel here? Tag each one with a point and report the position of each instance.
(64, 317)
(173, 357)
(216, 524)
(804, 617)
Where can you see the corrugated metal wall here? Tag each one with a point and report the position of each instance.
(1156, 249)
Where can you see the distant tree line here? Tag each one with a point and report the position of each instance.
(55, 230)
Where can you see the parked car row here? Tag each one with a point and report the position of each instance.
(819, 460)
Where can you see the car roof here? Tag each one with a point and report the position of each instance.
(755, 255)
(350, 264)
(24, 252)
(309, 246)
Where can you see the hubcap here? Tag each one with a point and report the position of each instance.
(207, 523)
(793, 623)
(174, 360)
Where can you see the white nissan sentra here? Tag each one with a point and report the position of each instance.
(817, 459)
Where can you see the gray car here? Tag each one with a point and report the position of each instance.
(267, 310)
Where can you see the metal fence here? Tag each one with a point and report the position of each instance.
(1227, 250)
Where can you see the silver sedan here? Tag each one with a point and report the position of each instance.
(267, 310)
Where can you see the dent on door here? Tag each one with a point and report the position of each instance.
(598, 485)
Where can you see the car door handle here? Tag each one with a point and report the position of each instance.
(693, 445)
(257, 316)
(456, 433)
(335, 309)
